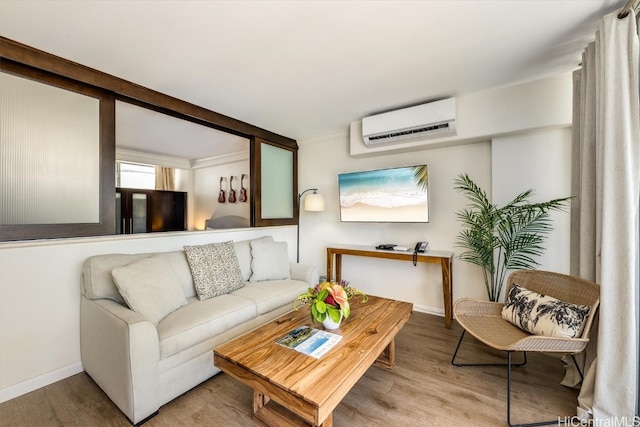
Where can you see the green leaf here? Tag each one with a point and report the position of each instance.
(334, 314)
(346, 311)
(316, 315)
(323, 295)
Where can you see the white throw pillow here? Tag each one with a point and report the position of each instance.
(214, 268)
(243, 252)
(544, 315)
(150, 288)
(270, 261)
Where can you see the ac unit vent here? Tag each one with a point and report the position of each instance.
(432, 120)
(444, 127)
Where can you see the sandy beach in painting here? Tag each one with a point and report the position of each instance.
(363, 212)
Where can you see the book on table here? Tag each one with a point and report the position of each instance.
(310, 341)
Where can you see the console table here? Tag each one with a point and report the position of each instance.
(444, 258)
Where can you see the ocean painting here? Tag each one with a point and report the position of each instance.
(385, 195)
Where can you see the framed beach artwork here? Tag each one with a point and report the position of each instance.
(398, 194)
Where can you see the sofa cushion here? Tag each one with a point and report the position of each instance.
(214, 268)
(269, 261)
(97, 279)
(243, 252)
(198, 321)
(272, 294)
(150, 287)
(542, 314)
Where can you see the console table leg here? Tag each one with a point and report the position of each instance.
(331, 257)
(447, 290)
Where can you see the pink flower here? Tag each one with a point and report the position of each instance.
(339, 295)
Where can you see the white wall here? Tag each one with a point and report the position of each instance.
(539, 161)
(182, 180)
(207, 186)
(40, 298)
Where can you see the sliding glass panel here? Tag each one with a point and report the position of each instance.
(277, 182)
(139, 212)
(49, 154)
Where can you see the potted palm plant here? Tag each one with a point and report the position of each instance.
(505, 238)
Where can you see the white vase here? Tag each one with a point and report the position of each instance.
(330, 324)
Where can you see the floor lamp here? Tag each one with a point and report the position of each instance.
(312, 203)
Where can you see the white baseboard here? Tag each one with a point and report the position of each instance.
(32, 384)
(428, 310)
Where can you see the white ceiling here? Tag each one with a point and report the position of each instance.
(306, 68)
(145, 131)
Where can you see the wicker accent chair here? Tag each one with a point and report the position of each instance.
(483, 320)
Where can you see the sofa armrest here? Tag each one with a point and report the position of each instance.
(305, 272)
(120, 351)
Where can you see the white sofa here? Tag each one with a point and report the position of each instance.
(142, 365)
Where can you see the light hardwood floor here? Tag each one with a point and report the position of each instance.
(423, 389)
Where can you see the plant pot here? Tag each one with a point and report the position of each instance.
(330, 324)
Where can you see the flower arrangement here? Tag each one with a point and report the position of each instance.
(329, 299)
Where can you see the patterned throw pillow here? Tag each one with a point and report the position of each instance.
(215, 269)
(544, 315)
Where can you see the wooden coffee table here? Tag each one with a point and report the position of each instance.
(307, 387)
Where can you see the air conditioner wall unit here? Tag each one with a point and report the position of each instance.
(431, 120)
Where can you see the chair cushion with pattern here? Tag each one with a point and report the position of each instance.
(544, 315)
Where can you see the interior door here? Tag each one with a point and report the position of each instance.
(132, 211)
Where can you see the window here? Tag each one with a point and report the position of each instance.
(135, 175)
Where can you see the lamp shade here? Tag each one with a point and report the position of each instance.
(314, 202)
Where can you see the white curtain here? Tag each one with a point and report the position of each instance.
(605, 213)
(165, 178)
